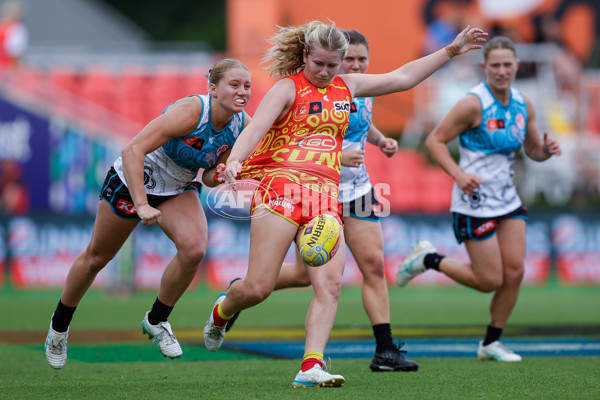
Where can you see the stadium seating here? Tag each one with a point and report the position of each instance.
(130, 94)
(415, 185)
(97, 85)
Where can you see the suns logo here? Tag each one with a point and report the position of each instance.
(319, 142)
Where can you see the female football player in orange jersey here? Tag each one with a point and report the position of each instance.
(361, 214)
(299, 127)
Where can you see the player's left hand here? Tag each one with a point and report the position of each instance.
(551, 146)
(388, 146)
(470, 38)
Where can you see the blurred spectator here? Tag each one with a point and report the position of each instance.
(567, 67)
(14, 36)
(593, 105)
(592, 10)
(14, 198)
(444, 20)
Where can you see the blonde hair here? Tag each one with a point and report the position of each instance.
(286, 54)
(499, 42)
(216, 73)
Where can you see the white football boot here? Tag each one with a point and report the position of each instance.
(214, 335)
(162, 334)
(318, 376)
(56, 347)
(413, 265)
(496, 351)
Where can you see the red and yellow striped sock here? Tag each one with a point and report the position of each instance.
(219, 316)
(311, 359)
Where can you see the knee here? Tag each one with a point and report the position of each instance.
(193, 253)
(95, 260)
(257, 293)
(373, 268)
(514, 275)
(329, 290)
(302, 280)
(334, 290)
(490, 284)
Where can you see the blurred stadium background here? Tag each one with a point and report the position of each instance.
(95, 72)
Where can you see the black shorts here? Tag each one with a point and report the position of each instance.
(366, 207)
(117, 195)
(474, 228)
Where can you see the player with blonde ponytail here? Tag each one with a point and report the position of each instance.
(298, 129)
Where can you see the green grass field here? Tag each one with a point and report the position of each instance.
(228, 375)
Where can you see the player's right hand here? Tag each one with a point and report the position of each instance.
(232, 170)
(218, 177)
(353, 158)
(149, 215)
(468, 182)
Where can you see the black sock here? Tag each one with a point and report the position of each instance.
(383, 337)
(160, 312)
(432, 261)
(62, 317)
(492, 335)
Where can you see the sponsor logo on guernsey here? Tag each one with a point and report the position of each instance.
(352, 108)
(305, 91)
(485, 228)
(210, 158)
(494, 124)
(314, 107)
(318, 142)
(520, 121)
(221, 149)
(341, 106)
(194, 142)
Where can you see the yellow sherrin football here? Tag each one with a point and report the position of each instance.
(319, 240)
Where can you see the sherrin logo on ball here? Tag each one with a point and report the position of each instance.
(320, 240)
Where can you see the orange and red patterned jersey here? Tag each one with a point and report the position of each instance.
(305, 145)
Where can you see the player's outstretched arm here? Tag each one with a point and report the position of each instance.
(411, 74)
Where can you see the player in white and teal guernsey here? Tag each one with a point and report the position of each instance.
(492, 122)
(354, 178)
(154, 181)
(169, 169)
(361, 211)
(488, 151)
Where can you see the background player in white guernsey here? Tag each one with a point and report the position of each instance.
(154, 182)
(492, 122)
